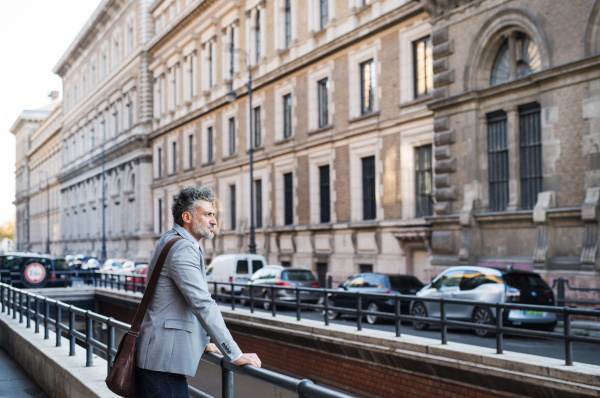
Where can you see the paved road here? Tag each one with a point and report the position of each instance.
(14, 381)
(582, 352)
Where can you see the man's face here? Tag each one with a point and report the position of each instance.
(203, 220)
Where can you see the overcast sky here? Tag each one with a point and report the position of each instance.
(34, 34)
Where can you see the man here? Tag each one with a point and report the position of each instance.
(182, 316)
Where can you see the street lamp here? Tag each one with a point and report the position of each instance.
(103, 249)
(47, 211)
(230, 97)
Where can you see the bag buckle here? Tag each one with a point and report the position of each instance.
(133, 333)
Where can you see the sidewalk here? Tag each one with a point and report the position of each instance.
(14, 381)
(581, 328)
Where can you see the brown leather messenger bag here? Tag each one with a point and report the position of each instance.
(121, 377)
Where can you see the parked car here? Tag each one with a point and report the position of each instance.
(489, 285)
(82, 262)
(34, 270)
(285, 277)
(138, 278)
(375, 283)
(119, 265)
(233, 268)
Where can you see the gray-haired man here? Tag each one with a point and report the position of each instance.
(182, 316)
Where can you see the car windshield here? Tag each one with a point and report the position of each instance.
(524, 280)
(297, 275)
(405, 282)
(60, 265)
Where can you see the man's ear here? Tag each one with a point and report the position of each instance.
(186, 217)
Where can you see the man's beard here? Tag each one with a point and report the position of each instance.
(201, 231)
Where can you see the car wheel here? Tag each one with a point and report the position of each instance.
(332, 314)
(34, 275)
(483, 316)
(372, 319)
(419, 309)
(267, 303)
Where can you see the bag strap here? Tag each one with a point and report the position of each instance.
(141, 311)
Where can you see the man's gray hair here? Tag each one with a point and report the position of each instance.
(187, 200)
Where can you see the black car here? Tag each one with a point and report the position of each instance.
(33, 270)
(375, 283)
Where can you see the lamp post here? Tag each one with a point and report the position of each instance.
(230, 97)
(47, 212)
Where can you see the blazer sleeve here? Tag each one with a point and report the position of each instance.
(187, 275)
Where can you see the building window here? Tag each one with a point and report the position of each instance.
(366, 87)
(160, 216)
(257, 130)
(324, 198)
(159, 156)
(191, 150)
(191, 80)
(287, 115)
(288, 23)
(497, 160)
(324, 5)
(231, 136)
(526, 55)
(257, 36)
(174, 85)
(423, 67)
(116, 120)
(210, 65)
(116, 54)
(209, 144)
(129, 114)
(423, 181)
(288, 205)
(258, 194)
(530, 133)
(174, 146)
(368, 180)
(231, 52)
(160, 96)
(130, 38)
(232, 206)
(323, 87)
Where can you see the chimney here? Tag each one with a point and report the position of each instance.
(53, 95)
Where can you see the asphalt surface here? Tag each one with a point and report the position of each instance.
(582, 352)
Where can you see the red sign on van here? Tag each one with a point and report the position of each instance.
(35, 273)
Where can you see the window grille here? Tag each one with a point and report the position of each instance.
(530, 133)
(174, 144)
(423, 181)
(324, 12)
(232, 136)
(258, 194)
(287, 115)
(423, 67)
(209, 144)
(257, 129)
(257, 36)
(324, 194)
(191, 149)
(288, 199)
(323, 86)
(232, 206)
(288, 23)
(368, 180)
(366, 87)
(497, 160)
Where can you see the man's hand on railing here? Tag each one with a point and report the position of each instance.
(248, 359)
(211, 347)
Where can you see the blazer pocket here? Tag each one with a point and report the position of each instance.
(177, 324)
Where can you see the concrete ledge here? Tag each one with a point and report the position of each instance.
(57, 373)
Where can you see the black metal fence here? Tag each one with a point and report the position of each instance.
(562, 284)
(33, 308)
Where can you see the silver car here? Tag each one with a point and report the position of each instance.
(283, 277)
(489, 285)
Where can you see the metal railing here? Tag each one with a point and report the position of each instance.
(27, 306)
(499, 308)
(560, 284)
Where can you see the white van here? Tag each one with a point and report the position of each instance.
(237, 268)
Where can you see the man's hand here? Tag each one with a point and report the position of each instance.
(211, 347)
(248, 359)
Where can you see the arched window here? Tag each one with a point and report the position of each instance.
(526, 58)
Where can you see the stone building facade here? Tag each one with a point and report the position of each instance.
(516, 106)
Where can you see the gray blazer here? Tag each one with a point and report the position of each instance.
(181, 315)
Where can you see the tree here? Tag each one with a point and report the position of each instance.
(8, 230)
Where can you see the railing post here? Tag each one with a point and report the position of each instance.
(251, 299)
(273, 308)
(21, 306)
(13, 303)
(110, 344)
(28, 308)
(46, 312)
(89, 328)
(2, 297)
(226, 381)
(567, 332)
(397, 319)
(36, 313)
(72, 340)
(329, 282)
(560, 292)
(326, 308)
(359, 312)
(298, 316)
(499, 334)
(58, 319)
(443, 319)
(232, 297)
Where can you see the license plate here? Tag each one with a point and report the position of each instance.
(534, 313)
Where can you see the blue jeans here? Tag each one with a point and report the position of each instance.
(153, 384)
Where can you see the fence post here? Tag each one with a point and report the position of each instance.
(46, 314)
(226, 381)
(110, 344)
(89, 328)
(273, 308)
(232, 293)
(2, 297)
(72, 341)
(397, 319)
(560, 292)
(329, 282)
(28, 308)
(13, 304)
(297, 304)
(21, 306)
(326, 308)
(58, 318)
(251, 299)
(358, 312)
(567, 332)
(36, 313)
(443, 324)
(499, 334)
